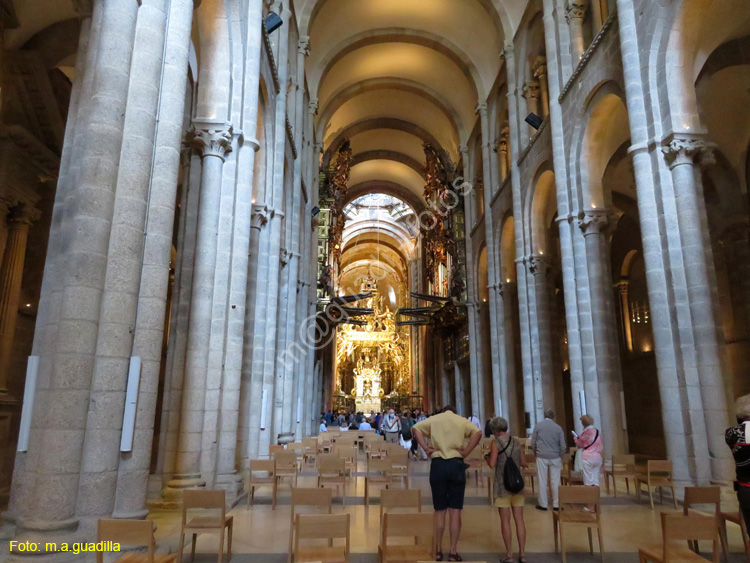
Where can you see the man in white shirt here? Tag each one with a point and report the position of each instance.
(474, 419)
(391, 427)
(323, 427)
(365, 425)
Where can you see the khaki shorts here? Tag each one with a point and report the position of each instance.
(510, 501)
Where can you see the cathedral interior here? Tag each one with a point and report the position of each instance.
(221, 219)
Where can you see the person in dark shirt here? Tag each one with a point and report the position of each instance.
(737, 439)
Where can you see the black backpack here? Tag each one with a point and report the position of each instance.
(406, 428)
(512, 478)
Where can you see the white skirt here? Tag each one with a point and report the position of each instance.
(591, 471)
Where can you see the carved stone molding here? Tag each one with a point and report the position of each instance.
(622, 287)
(303, 45)
(593, 221)
(507, 53)
(23, 214)
(574, 11)
(481, 109)
(532, 90)
(686, 150)
(312, 106)
(211, 139)
(506, 289)
(258, 217)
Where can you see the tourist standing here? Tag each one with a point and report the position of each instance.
(406, 436)
(474, 419)
(391, 427)
(447, 433)
(590, 447)
(548, 444)
(738, 439)
(505, 447)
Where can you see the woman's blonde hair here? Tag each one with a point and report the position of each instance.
(587, 420)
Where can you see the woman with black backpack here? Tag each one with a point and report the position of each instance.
(506, 458)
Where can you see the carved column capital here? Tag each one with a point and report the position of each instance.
(5, 205)
(540, 67)
(312, 106)
(303, 45)
(532, 90)
(538, 264)
(22, 214)
(593, 221)
(482, 109)
(506, 288)
(575, 11)
(687, 150)
(622, 287)
(258, 217)
(211, 138)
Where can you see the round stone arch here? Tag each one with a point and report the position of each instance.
(605, 114)
(541, 207)
(506, 249)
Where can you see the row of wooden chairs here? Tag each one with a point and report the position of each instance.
(202, 511)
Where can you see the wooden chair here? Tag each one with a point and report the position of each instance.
(274, 449)
(705, 496)
(530, 469)
(376, 449)
(313, 498)
(678, 528)
(399, 459)
(265, 466)
(622, 466)
(204, 500)
(734, 518)
(571, 515)
(349, 454)
(285, 468)
(332, 471)
(417, 526)
(476, 464)
(298, 449)
(392, 499)
(131, 533)
(568, 476)
(311, 527)
(378, 473)
(310, 446)
(658, 476)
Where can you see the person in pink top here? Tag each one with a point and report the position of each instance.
(590, 447)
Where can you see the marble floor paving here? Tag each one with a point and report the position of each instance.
(262, 534)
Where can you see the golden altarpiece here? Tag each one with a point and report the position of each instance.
(373, 362)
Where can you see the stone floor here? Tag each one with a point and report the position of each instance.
(261, 534)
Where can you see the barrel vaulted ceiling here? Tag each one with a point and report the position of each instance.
(391, 75)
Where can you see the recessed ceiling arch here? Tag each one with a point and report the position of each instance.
(407, 61)
(393, 104)
(395, 156)
(502, 18)
(384, 123)
(393, 83)
(390, 171)
(318, 72)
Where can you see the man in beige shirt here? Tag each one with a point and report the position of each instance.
(448, 433)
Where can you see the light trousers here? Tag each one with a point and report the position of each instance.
(548, 470)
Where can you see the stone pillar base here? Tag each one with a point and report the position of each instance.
(232, 484)
(172, 494)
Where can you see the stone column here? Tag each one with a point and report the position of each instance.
(503, 153)
(228, 477)
(58, 429)
(153, 290)
(532, 93)
(506, 291)
(11, 276)
(601, 358)
(541, 336)
(213, 141)
(540, 73)
(4, 208)
(575, 12)
(459, 384)
(686, 156)
(492, 273)
(622, 288)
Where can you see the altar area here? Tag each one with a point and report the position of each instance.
(373, 360)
